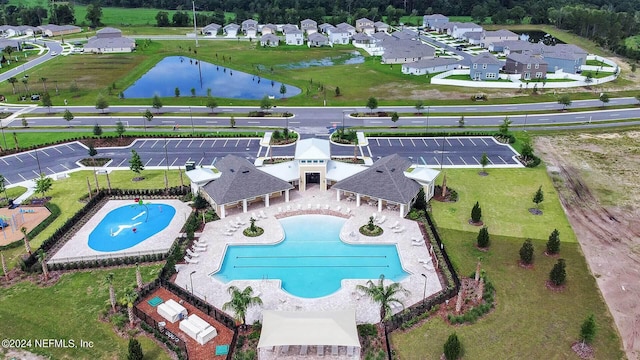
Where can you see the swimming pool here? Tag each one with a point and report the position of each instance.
(129, 225)
(311, 261)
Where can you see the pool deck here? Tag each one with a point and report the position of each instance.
(77, 248)
(273, 297)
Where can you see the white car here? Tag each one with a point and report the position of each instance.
(53, 53)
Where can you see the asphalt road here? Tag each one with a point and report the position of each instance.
(173, 153)
(23, 69)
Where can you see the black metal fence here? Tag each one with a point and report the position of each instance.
(163, 334)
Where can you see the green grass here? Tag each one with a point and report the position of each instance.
(529, 321)
(505, 196)
(596, 63)
(66, 194)
(21, 60)
(69, 310)
(15, 191)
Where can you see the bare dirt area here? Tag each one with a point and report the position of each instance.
(596, 176)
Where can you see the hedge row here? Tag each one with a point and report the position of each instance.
(88, 264)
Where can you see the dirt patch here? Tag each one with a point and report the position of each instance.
(24, 216)
(599, 192)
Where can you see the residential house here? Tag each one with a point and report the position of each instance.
(293, 36)
(565, 59)
(15, 44)
(231, 30)
(317, 40)
(489, 37)
(109, 40)
(431, 66)
(472, 38)
(485, 67)
(268, 29)
(349, 28)
(211, 30)
(58, 30)
(445, 28)
(434, 21)
(326, 28)
(362, 39)
(459, 29)
(405, 51)
(381, 27)
(309, 26)
(269, 40)
(362, 23)
(519, 46)
(339, 36)
(530, 66)
(250, 28)
(287, 27)
(405, 34)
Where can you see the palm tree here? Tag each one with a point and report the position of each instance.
(129, 298)
(42, 256)
(27, 247)
(384, 295)
(25, 82)
(5, 270)
(44, 83)
(112, 293)
(240, 302)
(355, 148)
(138, 277)
(13, 81)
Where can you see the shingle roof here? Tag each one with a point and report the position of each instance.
(427, 63)
(526, 58)
(110, 43)
(485, 58)
(385, 179)
(500, 33)
(241, 180)
(472, 35)
(317, 37)
(435, 16)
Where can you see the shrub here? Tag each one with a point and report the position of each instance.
(553, 245)
(199, 202)
(588, 330)
(135, 350)
(476, 213)
(453, 347)
(366, 330)
(526, 252)
(483, 237)
(558, 274)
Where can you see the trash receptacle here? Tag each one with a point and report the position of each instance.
(190, 165)
(161, 325)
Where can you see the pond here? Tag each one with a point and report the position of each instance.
(353, 57)
(186, 74)
(535, 36)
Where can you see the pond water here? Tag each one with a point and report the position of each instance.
(535, 36)
(185, 74)
(353, 57)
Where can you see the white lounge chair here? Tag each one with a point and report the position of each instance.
(234, 226)
(202, 246)
(415, 243)
(375, 216)
(338, 208)
(381, 220)
(239, 221)
(394, 225)
(190, 260)
(398, 230)
(192, 254)
(228, 233)
(288, 207)
(318, 206)
(200, 241)
(264, 216)
(253, 215)
(327, 207)
(424, 261)
(309, 206)
(279, 209)
(299, 207)
(198, 249)
(348, 211)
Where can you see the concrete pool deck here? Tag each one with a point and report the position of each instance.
(273, 297)
(77, 248)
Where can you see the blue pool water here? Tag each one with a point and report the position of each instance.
(185, 74)
(311, 260)
(115, 231)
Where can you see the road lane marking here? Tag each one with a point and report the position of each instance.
(211, 122)
(178, 144)
(123, 160)
(544, 119)
(474, 144)
(460, 141)
(463, 160)
(148, 161)
(174, 161)
(485, 143)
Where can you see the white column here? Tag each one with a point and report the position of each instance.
(222, 212)
(401, 210)
(266, 200)
(338, 195)
(244, 205)
(379, 205)
(286, 195)
(357, 200)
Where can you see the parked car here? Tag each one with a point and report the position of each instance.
(35, 97)
(53, 53)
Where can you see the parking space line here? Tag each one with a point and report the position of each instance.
(56, 149)
(474, 158)
(174, 161)
(67, 145)
(17, 157)
(23, 178)
(436, 159)
(178, 144)
(53, 172)
(474, 144)
(213, 161)
(249, 143)
(369, 150)
(225, 143)
(123, 160)
(463, 160)
(500, 157)
(484, 141)
(31, 154)
(64, 167)
(491, 161)
(4, 161)
(423, 161)
(237, 142)
(148, 161)
(44, 152)
(35, 172)
(460, 141)
(190, 142)
(202, 143)
(259, 151)
(160, 163)
(214, 142)
(425, 143)
(389, 140)
(154, 143)
(200, 162)
(142, 144)
(378, 141)
(448, 142)
(414, 144)
(436, 141)
(401, 144)
(450, 160)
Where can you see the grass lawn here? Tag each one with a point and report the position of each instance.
(529, 322)
(505, 196)
(66, 192)
(69, 310)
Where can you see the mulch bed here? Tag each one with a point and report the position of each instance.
(108, 141)
(525, 266)
(551, 286)
(479, 223)
(483, 173)
(583, 351)
(535, 211)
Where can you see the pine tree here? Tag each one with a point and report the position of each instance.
(553, 245)
(483, 238)
(558, 274)
(476, 213)
(421, 200)
(135, 163)
(538, 197)
(526, 252)
(588, 330)
(135, 350)
(452, 348)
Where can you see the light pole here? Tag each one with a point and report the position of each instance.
(38, 161)
(428, 109)
(191, 117)
(442, 152)
(166, 160)
(524, 127)
(424, 293)
(191, 278)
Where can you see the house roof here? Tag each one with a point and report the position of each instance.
(308, 22)
(269, 38)
(202, 175)
(308, 328)
(521, 45)
(55, 28)
(360, 37)
(423, 174)
(397, 48)
(317, 37)
(429, 63)
(293, 31)
(435, 16)
(287, 171)
(500, 33)
(212, 26)
(345, 26)
(472, 35)
(485, 58)
(325, 26)
(462, 25)
(240, 180)
(380, 24)
(8, 42)
(249, 23)
(364, 20)
(385, 179)
(338, 170)
(231, 26)
(269, 26)
(568, 48)
(526, 58)
(313, 149)
(110, 43)
(109, 30)
(404, 34)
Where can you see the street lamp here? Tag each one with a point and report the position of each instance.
(191, 117)
(424, 293)
(191, 278)
(442, 152)
(38, 161)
